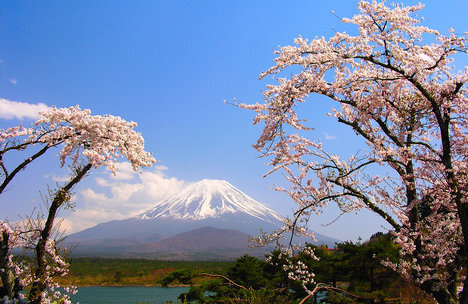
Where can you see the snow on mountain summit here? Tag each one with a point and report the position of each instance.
(209, 199)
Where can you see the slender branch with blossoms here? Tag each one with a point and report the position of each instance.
(89, 141)
(404, 99)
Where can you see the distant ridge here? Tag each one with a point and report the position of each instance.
(205, 238)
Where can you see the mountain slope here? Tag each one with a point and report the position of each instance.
(205, 238)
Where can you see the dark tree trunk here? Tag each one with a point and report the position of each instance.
(464, 294)
(61, 196)
(8, 278)
(443, 297)
(463, 214)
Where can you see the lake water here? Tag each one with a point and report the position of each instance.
(127, 295)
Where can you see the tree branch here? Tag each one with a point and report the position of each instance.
(21, 166)
(368, 203)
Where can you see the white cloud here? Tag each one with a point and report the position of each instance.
(117, 197)
(158, 186)
(101, 181)
(65, 225)
(20, 110)
(60, 178)
(122, 192)
(329, 137)
(81, 219)
(90, 195)
(13, 81)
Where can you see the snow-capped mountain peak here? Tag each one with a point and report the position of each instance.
(209, 199)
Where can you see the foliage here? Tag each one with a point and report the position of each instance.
(89, 141)
(361, 266)
(395, 86)
(248, 272)
(247, 278)
(183, 276)
(352, 272)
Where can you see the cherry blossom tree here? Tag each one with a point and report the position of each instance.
(88, 141)
(394, 84)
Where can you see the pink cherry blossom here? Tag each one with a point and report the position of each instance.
(405, 99)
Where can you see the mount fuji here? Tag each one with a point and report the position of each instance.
(210, 199)
(208, 219)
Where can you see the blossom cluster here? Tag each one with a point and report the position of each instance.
(297, 270)
(402, 97)
(101, 139)
(85, 140)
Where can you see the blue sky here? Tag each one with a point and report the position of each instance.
(169, 65)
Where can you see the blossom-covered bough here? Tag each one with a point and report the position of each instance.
(394, 85)
(89, 141)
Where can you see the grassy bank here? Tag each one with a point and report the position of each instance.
(130, 272)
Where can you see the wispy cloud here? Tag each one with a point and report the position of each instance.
(58, 178)
(13, 81)
(20, 110)
(123, 195)
(329, 137)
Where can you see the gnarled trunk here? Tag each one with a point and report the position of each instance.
(6, 273)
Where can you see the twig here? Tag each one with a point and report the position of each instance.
(327, 287)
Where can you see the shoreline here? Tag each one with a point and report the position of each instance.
(127, 285)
